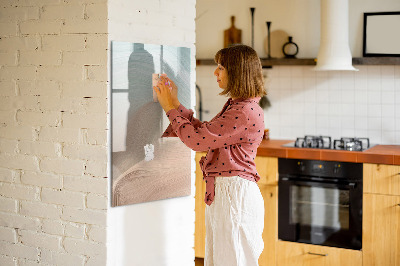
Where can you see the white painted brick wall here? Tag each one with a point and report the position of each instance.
(53, 128)
(75, 230)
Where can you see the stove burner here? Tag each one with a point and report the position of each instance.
(351, 144)
(308, 141)
(324, 142)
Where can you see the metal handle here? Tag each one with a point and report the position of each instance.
(318, 254)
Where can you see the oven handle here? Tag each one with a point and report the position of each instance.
(297, 181)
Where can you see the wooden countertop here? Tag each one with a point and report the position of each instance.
(379, 154)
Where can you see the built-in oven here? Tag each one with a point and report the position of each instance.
(320, 202)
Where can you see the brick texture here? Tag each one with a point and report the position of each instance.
(53, 121)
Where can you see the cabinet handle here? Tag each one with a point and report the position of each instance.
(398, 204)
(318, 254)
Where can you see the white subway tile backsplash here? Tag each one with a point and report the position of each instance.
(310, 109)
(388, 110)
(374, 111)
(388, 124)
(284, 83)
(374, 84)
(361, 110)
(322, 83)
(335, 122)
(374, 97)
(334, 109)
(297, 72)
(397, 110)
(374, 123)
(310, 95)
(284, 72)
(322, 109)
(389, 136)
(388, 84)
(322, 95)
(335, 95)
(388, 97)
(347, 110)
(338, 104)
(348, 122)
(387, 72)
(360, 97)
(375, 136)
(397, 71)
(322, 121)
(348, 96)
(361, 123)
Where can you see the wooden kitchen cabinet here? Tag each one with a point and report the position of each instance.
(200, 207)
(270, 233)
(267, 168)
(298, 254)
(381, 179)
(381, 215)
(381, 230)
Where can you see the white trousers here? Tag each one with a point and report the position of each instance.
(234, 223)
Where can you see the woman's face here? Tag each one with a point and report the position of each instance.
(222, 76)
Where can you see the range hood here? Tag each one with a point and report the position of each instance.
(334, 51)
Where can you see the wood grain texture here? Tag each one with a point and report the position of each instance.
(167, 176)
(381, 179)
(298, 254)
(381, 230)
(232, 35)
(267, 168)
(270, 233)
(200, 207)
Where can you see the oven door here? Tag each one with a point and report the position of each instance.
(321, 212)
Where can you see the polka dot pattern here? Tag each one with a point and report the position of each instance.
(231, 139)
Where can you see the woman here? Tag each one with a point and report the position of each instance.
(235, 207)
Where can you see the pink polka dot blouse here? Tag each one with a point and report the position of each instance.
(231, 139)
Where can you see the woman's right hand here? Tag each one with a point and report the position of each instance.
(174, 91)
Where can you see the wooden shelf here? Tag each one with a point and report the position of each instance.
(312, 61)
(376, 61)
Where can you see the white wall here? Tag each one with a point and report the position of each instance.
(299, 18)
(161, 232)
(338, 104)
(53, 155)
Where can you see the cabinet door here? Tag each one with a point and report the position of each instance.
(381, 230)
(297, 254)
(267, 168)
(200, 207)
(270, 233)
(381, 179)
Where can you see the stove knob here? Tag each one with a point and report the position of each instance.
(336, 169)
(302, 167)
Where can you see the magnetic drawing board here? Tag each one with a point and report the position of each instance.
(146, 167)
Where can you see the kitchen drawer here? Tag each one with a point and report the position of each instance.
(267, 168)
(298, 254)
(381, 179)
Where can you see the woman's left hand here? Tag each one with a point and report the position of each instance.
(164, 95)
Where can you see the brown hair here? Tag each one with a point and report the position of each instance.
(245, 78)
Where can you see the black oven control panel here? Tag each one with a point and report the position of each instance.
(330, 169)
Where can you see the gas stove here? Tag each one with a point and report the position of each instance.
(325, 142)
